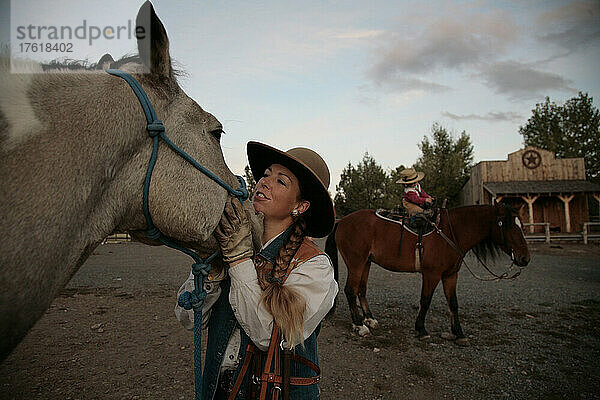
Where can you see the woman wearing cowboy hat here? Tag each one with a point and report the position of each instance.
(287, 287)
(415, 199)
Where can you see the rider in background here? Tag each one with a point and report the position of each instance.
(415, 200)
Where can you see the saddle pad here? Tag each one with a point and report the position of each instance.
(377, 213)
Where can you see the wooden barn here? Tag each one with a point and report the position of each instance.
(544, 188)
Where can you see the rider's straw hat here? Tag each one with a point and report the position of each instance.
(409, 175)
(313, 175)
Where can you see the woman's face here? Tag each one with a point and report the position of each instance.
(278, 193)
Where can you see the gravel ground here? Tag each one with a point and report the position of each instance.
(111, 334)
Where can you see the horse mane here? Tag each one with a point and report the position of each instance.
(487, 249)
(129, 62)
(68, 64)
(73, 65)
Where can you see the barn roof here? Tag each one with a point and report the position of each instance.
(541, 187)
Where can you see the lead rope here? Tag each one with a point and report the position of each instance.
(452, 244)
(201, 267)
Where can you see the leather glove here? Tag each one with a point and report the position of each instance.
(233, 233)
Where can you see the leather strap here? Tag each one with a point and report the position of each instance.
(285, 373)
(250, 349)
(267, 377)
(276, 391)
(279, 376)
(297, 381)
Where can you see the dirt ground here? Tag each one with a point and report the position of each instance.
(111, 334)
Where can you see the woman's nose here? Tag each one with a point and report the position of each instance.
(264, 181)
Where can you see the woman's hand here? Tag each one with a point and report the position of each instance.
(233, 233)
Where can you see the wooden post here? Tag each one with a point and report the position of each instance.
(566, 199)
(597, 197)
(530, 200)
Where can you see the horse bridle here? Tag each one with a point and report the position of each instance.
(454, 245)
(201, 267)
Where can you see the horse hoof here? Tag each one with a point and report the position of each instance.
(361, 330)
(463, 342)
(371, 323)
(448, 336)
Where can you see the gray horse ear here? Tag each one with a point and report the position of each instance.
(153, 43)
(105, 62)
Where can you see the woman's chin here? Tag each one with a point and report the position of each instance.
(258, 207)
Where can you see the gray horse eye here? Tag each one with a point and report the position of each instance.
(217, 134)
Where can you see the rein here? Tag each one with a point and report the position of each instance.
(201, 267)
(462, 254)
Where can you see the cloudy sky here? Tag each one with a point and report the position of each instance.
(350, 77)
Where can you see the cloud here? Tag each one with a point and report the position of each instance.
(446, 43)
(490, 116)
(407, 84)
(358, 34)
(572, 26)
(522, 81)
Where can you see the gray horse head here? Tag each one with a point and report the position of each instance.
(74, 152)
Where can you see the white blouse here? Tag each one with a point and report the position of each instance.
(313, 279)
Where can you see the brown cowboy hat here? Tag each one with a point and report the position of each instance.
(313, 175)
(409, 175)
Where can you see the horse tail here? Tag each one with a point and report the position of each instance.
(332, 252)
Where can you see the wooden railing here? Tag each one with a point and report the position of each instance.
(586, 234)
(117, 238)
(546, 226)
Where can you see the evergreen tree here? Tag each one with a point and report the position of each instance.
(250, 183)
(363, 186)
(570, 130)
(446, 163)
(394, 190)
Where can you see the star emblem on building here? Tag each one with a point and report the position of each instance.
(531, 159)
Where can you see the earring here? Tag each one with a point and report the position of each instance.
(295, 213)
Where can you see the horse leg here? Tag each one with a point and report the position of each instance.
(369, 321)
(351, 291)
(428, 286)
(449, 283)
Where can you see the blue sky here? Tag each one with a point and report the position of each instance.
(349, 77)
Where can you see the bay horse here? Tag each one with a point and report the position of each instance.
(74, 152)
(362, 238)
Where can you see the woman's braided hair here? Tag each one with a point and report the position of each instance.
(286, 304)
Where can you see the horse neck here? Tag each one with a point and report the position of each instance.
(469, 225)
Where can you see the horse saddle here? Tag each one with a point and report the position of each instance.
(419, 224)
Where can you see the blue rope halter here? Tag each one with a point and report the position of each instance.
(201, 267)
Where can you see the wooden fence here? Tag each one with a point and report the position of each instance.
(117, 238)
(586, 235)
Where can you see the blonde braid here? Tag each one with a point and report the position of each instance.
(287, 251)
(286, 304)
